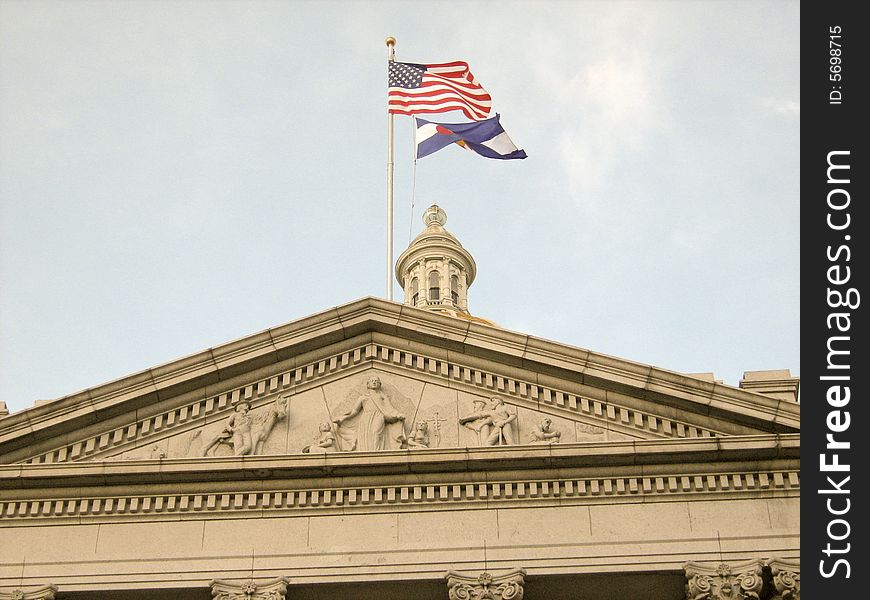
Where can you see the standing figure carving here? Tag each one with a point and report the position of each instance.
(236, 432)
(479, 421)
(543, 433)
(493, 423)
(364, 426)
(502, 433)
(247, 434)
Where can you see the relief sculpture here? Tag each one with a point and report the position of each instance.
(478, 421)
(324, 442)
(420, 437)
(433, 425)
(493, 423)
(373, 422)
(247, 434)
(543, 433)
(152, 452)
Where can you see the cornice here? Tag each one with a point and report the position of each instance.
(424, 492)
(286, 342)
(642, 454)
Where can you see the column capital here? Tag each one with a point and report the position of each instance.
(761, 579)
(786, 576)
(274, 589)
(741, 581)
(485, 586)
(44, 592)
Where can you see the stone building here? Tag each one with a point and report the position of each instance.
(404, 451)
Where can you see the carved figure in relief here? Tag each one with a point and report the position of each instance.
(479, 421)
(543, 433)
(420, 437)
(502, 423)
(364, 426)
(493, 422)
(265, 421)
(586, 428)
(324, 442)
(236, 431)
(153, 452)
(246, 434)
(156, 452)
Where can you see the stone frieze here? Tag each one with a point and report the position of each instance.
(148, 438)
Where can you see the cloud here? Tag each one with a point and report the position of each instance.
(607, 93)
(786, 107)
(617, 101)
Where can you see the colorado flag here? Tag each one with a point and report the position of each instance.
(486, 137)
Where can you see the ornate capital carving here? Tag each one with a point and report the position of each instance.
(486, 587)
(774, 579)
(274, 589)
(45, 592)
(786, 576)
(725, 582)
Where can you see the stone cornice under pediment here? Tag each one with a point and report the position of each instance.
(368, 315)
(748, 468)
(642, 454)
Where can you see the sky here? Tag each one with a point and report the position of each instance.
(176, 175)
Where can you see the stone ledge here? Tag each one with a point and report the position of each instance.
(615, 453)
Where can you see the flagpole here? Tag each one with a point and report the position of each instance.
(391, 57)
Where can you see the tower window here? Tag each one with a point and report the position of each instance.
(434, 285)
(454, 289)
(415, 291)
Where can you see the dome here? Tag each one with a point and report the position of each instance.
(435, 270)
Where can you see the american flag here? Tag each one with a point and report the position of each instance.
(436, 88)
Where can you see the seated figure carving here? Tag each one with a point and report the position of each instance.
(420, 437)
(324, 442)
(543, 433)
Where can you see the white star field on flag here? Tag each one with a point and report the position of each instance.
(436, 88)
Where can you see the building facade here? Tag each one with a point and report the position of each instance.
(385, 450)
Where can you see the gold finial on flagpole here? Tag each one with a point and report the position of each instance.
(391, 48)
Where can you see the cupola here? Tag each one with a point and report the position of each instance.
(435, 271)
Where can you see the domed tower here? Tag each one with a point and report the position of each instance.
(435, 270)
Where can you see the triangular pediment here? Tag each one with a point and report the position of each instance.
(299, 378)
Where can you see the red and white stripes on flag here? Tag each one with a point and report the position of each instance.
(436, 88)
